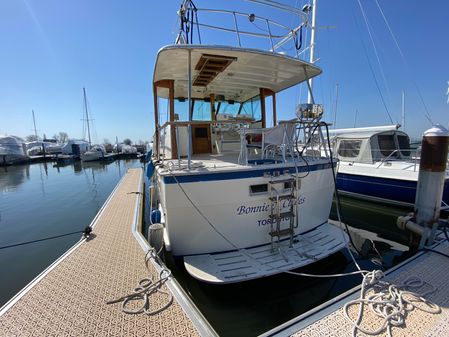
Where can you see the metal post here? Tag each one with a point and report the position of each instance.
(177, 146)
(236, 28)
(403, 110)
(269, 33)
(312, 49)
(189, 96)
(34, 122)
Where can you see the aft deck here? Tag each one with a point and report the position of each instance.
(69, 298)
(229, 161)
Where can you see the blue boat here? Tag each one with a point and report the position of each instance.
(378, 164)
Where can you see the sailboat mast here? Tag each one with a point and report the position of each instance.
(403, 110)
(312, 48)
(34, 122)
(87, 116)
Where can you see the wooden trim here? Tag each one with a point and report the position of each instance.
(156, 121)
(267, 92)
(262, 107)
(274, 109)
(212, 107)
(164, 83)
(171, 95)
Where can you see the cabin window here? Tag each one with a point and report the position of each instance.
(200, 132)
(404, 145)
(252, 108)
(201, 109)
(181, 109)
(386, 145)
(258, 189)
(226, 107)
(349, 148)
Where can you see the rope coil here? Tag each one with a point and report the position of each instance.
(146, 288)
(389, 302)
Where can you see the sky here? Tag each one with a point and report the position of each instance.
(51, 49)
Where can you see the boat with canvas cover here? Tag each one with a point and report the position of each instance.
(237, 199)
(11, 150)
(377, 164)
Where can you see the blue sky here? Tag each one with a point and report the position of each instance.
(52, 48)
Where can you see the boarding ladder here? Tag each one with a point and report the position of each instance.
(283, 191)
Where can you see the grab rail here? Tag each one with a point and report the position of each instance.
(290, 32)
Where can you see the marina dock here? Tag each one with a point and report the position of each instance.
(328, 319)
(69, 297)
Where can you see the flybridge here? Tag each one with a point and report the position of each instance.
(277, 37)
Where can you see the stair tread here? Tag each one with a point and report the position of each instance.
(282, 197)
(282, 215)
(284, 180)
(282, 232)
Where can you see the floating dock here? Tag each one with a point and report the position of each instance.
(328, 319)
(69, 297)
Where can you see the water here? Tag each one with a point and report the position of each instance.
(39, 201)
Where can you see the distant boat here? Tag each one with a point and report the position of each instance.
(75, 147)
(36, 148)
(97, 152)
(11, 150)
(128, 149)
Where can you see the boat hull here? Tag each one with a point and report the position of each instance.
(208, 215)
(385, 190)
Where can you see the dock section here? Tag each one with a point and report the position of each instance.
(69, 298)
(329, 318)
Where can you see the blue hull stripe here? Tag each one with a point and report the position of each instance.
(384, 188)
(242, 174)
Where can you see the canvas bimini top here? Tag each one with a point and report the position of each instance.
(232, 72)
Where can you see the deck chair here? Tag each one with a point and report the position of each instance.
(278, 139)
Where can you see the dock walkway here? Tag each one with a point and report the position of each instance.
(69, 298)
(329, 319)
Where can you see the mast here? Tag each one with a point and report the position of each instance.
(34, 122)
(403, 110)
(336, 105)
(312, 48)
(87, 116)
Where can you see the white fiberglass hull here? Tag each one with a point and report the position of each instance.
(231, 218)
(391, 183)
(91, 156)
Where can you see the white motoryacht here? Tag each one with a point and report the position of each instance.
(236, 198)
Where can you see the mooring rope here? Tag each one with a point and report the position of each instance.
(389, 302)
(146, 288)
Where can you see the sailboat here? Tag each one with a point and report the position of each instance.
(238, 200)
(95, 152)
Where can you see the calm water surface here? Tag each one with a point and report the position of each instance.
(38, 201)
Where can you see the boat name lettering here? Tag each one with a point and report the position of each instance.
(265, 207)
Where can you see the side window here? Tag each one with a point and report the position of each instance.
(349, 148)
(404, 145)
(386, 144)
